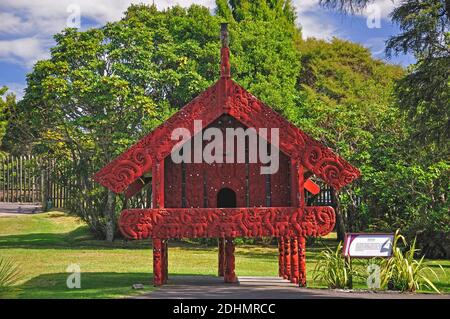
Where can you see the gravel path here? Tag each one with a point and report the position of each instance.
(18, 209)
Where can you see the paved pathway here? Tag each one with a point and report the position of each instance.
(208, 287)
(17, 209)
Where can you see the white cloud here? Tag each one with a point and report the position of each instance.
(25, 51)
(27, 26)
(16, 88)
(314, 21)
(376, 45)
(317, 26)
(12, 24)
(385, 7)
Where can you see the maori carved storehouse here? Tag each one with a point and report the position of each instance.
(192, 199)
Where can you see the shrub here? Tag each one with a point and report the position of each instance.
(333, 269)
(403, 272)
(9, 273)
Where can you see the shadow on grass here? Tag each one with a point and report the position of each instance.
(78, 238)
(93, 285)
(81, 237)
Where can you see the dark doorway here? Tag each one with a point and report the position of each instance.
(226, 198)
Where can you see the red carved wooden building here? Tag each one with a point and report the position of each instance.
(227, 200)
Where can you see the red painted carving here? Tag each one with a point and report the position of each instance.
(295, 143)
(221, 256)
(280, 257)
(158, 278)
(294, 260)
(302, 261)
(165, 260)
(287, 258)
(172, 183)
(226, 222)
(138, 159)
(248, 110)
(184, 196)
(158, 184)
(230, 275)
(225, 62)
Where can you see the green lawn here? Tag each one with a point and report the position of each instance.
(45, 245)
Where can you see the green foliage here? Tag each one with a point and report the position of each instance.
(347, 103)
(334, 270)
(9, 273)
(281, 11)
(7, 106)
(424, 93)
(103, 89)
(403, 272)
(350, 6)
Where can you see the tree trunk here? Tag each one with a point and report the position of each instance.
(110, 216)
(340, 223)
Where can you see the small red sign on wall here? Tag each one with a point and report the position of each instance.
(312, 187)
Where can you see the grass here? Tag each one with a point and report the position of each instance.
(44, 245)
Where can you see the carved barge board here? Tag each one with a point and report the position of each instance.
(311, 221)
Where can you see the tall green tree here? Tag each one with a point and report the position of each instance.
(347, 99)
(104, 88)
(424, 93)
(7, 106)
(419, 165)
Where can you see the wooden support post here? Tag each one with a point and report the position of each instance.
(160, 272)
(158, 185)
(294, 184)
(165, 260)
(281, 257)
(221, 268)
(294, 260)
(287, 258)
(230, 275)
(157, 262)
(302, 261)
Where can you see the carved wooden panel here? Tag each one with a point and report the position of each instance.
(226, 222)
(226, 97)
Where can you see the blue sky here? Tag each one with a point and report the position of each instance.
(27, 26)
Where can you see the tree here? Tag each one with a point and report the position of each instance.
(7, 106)
(105, 88)
(420, 161)
(424, 93)
(347, 99)
(264, 55)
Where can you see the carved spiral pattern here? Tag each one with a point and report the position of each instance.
(226, 222)
(226, 97)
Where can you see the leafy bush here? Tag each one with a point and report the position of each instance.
(403, 272)
(334, 270)
(9, 273)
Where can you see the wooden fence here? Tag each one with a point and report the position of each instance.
(29, 179)
(324, 198)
